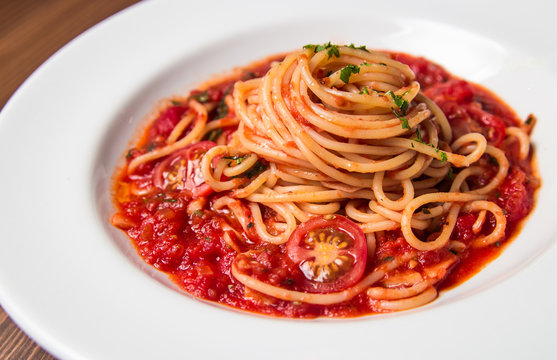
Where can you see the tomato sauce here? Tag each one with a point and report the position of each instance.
(190, 246)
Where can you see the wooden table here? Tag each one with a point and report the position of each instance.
(30, 32)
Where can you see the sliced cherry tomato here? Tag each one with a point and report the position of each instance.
(181, 170)
(331, 252)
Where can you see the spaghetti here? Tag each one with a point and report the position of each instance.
(333, 178)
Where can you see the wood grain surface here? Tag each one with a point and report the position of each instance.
(30, 32)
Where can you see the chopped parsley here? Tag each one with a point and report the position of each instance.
(443, 156)
(363, 47)
(418, 137)
(492, 160)
(175, 102)
(400, 102)
(364, 90)
(129, 154)
(255, 170)
(382, 64)
(222, 109)
(529, 119)
(332, 50)
(249, 75)
(170, 200)
(250, 225)
(237, 158)
(450, 175)
(402, 105)
(208, 239)
(214, 134)
(388, 258)
(202, 97)
(347, 71)
(198, 213)
(150, 147)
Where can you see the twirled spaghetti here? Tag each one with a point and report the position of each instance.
(333, 181)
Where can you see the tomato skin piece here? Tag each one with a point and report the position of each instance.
(188, 176)
(457, 100)
(350, 244)
(427, 73)
(496, 126)
(166, 121)
(513, 196)
(458, 91)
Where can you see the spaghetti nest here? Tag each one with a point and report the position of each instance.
(352, 134)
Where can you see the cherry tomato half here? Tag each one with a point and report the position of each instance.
(331, 252)
(181, 170)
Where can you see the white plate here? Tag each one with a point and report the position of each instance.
(77, 287)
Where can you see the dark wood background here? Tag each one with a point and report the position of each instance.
(30, 32)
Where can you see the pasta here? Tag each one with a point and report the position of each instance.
(332, 181)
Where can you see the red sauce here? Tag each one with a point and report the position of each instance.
(191, 248)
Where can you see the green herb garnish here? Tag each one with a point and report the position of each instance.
(418, 137)
(450, 175)
(150, 147)
(202, 97)
(237, 158)
(256, 169)
(364, 90)
(400, 102)
(492, 160)
(176, 102)
(443, 156)
(222, 110)
(214, 134)
(388, 258)
(332, 50)
(363, 47)
(347, 71)
(529, 119)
